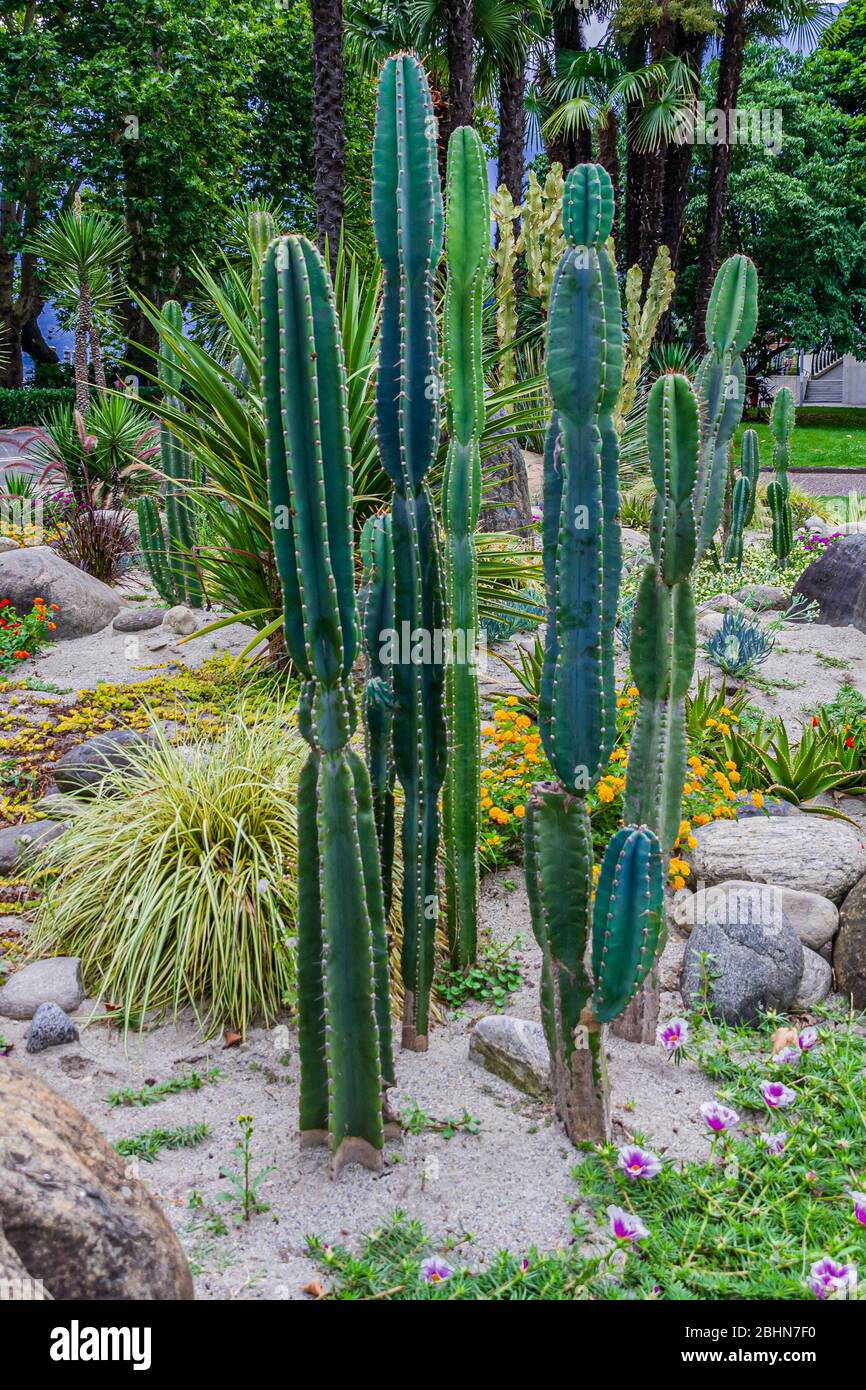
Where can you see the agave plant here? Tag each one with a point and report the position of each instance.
(739, 646)
(801, 774)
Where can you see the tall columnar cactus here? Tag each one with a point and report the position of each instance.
(577, 705)
(170, 562)
(781, 429)
(663, 644)
(721, 382)
(750, 469)
(343, 1004)
(376, 611)
(467, 246)
(743, 498)
(408, 224)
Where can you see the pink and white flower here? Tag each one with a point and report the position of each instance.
(625, 1226)
(719, 1117)
(828, 1278)
(638, 1163)
(776, 1095)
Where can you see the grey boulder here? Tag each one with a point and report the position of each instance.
(18, 843)
(849, 952)
(513, 1049)
(83, 767)
(745, 961)
(815, 920)
(837, 583)
(49, 1027)
(137, 619)
(85, 605)
(55, 981)
(808, 852)
(179, 620)
(764, 597)
(815, 983)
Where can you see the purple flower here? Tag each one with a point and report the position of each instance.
(827, 1278)
(638, 1163)
(788, 1057)
(673, 1035)
(624, 1226)
(776, 1095)
(434, 1270)
(807, 1039)
(859, 1200)
(775, 1143)
(524, 1265)
(536, 513)
(719, 1117)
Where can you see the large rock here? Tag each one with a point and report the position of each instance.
(837, 582)
(745, 962)
(849, 952)
(815, 982)
(505, 505)
(50, 1027)
(815, 920)
(812, 853)
(70, 1214)
(83, 767)
(19, 843)
(764, 597)
(515, 1050)
(85, 604)
(56, 981)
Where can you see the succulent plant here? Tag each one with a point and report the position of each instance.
(782, 417)
(342, 964)
(170, 561)
(577, 700)
(376, 612)
(408, 225)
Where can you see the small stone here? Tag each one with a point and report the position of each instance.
(764, 598)
(815, 984)
(50, 1027)
(709, 623)
(18, 843)
(55, 981)
(720, 603)
(514, 1049)
(138, 619)
(179, 620)
(7, 544)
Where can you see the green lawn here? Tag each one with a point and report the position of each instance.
(814, 447)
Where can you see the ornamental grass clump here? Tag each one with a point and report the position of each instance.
(176, 884)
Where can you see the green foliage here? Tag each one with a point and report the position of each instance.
(33, 405)
(244, 1184)
(176, 885)
(739, 646)
(149, 1144)
(495, 974)
(151, 1093)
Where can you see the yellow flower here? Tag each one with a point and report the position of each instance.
(679, 882)
(605, 792)
(512, 701)
(685, 827)
(758, 799)
(633, 691)
(520, 812)
(622, 702)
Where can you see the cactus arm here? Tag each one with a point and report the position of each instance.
(407, 221)
(739, 512)
(782, 418)
(750, 468)
(154, 550)
(630, 891)
(376, 609)
(467, 247)
(179, 570)
(341, 921)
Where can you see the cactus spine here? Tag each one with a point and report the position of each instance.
(408, 224)
(343, 1011)
(721, 381)
(577, 704)
(467, 245)
(781, 428)
(376, 611)
(170, 563)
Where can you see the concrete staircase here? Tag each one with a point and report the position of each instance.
(826, 387)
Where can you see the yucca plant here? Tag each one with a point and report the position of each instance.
(175, 884)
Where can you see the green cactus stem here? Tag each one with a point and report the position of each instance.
(721, 381)
(782, 417)
(344, 1019)
(170, 561)
(467, 247)
(376, 611)
(408, 225)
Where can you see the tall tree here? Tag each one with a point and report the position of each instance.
(458, 49)
(568, 146)
(742, 19)
(329, 148)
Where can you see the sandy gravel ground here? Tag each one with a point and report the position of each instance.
(507, 1187)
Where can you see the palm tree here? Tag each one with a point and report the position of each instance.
(743, 19)
(80, 251)
(509, 34)
(329, 134)
(459, 41)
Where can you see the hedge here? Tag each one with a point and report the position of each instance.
(828, 417)
(32, 405)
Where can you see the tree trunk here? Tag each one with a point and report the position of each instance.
(565, 148)
(581, 1091)
(329, 145)
(82, 334)
(458, 45)
(96, 359)
(639, 1019)
(32, 340)
(635, 58)
(16, 302)
(608, 156)
(512, 122)
(730, 72)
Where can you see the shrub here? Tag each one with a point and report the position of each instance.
(175, 884)
(22, 637)
(97, 542)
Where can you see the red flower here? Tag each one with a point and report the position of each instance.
(849, 743)
(4, 602)
(814, 721)
(20, 656)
